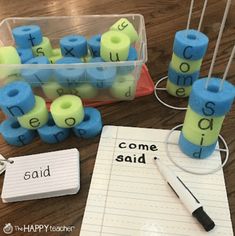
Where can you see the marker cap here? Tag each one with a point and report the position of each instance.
(207, 223)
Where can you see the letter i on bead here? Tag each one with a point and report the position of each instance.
(189, 48)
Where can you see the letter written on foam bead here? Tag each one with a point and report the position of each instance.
(125, 26)
(101, 76)
(43, 49)
(12, 78)
(37, 117)
(114, 46)
(67, 111)
(14, 134)
(73, 46)
(195, 151)
(51, 133)
(16, 99)
(53, 90)
(27, 36)
(9, 55)
(211, 101)
(69, 77)
(85, 91)
(178, 91)
(25, 54)
(201, 130)
(37, 77)
(124, 87)
(190, 44)
(184, 66)
(181, 79)
(94, 45)
(91, 126)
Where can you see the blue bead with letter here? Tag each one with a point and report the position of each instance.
(91, 126)
(16, 99)
(27, 36)
(14, 134)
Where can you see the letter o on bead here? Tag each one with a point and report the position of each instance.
(67, 111)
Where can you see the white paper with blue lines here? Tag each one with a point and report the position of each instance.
(129, 198)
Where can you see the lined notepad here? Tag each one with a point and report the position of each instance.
(128, 195)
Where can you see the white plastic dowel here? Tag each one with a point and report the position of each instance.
(227, 69)
(218, 42)
(190, 14)
(202, 15)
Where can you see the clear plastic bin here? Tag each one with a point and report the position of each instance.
(122, 88)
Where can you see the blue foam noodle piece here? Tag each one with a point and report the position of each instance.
(101, 77)
(195, 151)
(91, 126)
(190, 44)
(27, 36)
(132, 56)
(211, 101)
(51, 133)
(94, 45)
(16, 99)
(25, 54)
(14, 134)
(69, 77)
(181, 79)
(37, 77)
(74, 46)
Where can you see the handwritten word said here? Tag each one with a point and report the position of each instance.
(37, 173)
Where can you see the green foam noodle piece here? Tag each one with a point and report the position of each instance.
(178, 91)
(37, 117)
(67, 111)
(9, 55)
(125, 26)
(184, 66)
(85, 91)
(201, 130)
(114, 46)
(53, 90)
(43, 49)
(124, 87)
(56, 55)
(88, 57)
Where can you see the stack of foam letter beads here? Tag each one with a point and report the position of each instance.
(204, 117)
(188, 51)
(27, 115)
(88, 81)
